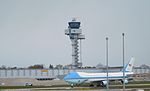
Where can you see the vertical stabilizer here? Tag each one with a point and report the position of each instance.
(129, 66)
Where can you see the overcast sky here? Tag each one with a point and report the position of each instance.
(32, 31)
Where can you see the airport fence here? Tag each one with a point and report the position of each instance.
(51, 73)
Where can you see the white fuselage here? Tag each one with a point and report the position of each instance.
(103, 76)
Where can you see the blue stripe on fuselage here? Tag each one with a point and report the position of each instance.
(103, 77)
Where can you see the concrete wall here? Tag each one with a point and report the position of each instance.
(23, 81)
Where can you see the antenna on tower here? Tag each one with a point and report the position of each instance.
(74, 19)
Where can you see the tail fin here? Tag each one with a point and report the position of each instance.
(129, 66)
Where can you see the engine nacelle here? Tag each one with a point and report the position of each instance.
(125, 81)
(104, 83)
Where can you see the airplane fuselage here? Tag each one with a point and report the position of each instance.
(81, 77)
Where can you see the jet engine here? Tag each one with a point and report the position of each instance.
(104, 83)
(125, 81)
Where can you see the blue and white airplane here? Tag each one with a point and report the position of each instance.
(100, 79)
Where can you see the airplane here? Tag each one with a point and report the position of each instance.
(100, 79)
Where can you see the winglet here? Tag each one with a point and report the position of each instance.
(129, 66)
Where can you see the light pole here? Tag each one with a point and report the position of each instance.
(107, 62)
(123, 62)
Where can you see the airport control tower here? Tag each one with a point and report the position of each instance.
(75, 33)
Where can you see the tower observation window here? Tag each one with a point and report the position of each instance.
(74, 25)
